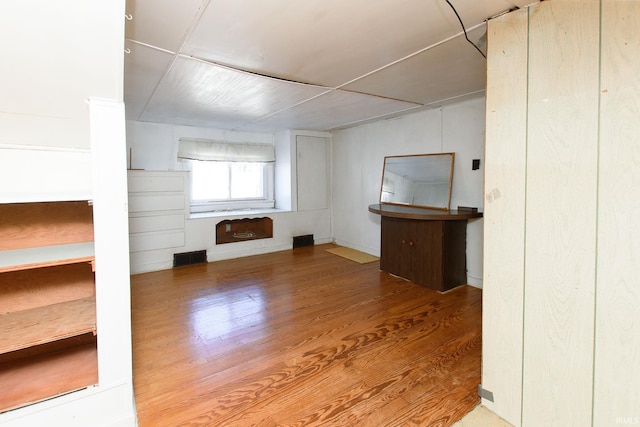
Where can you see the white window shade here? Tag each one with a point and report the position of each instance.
(222, 151)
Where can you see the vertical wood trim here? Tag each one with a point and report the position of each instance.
(110, 212)
(561, 213)
(505, 166)
(617, 346)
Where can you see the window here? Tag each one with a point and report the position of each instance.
(228, 176)
(230, 185)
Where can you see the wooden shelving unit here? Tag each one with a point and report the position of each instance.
(47, 301)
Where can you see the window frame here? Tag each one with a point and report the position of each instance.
(214, 205)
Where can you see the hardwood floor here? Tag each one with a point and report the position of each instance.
(301, 338)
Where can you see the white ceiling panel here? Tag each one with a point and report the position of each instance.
(162, 23)
(428, 77)
(290, 64)
(332, 110)
(196, 93)
(326, 42)
(143, 70)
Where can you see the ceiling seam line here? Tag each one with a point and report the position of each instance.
(331, 90)
(326, 89)
(251, 73)
(204, 4)
(370, 119)
(448, 39)
(419, 107)
(150, 46)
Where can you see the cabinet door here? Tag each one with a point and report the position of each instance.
(408, 261)
(401, 248)
(428, 253)
(390, 246)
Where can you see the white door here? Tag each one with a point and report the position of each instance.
(311, 172)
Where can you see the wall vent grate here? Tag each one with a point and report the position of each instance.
(300, 241)
(188, 258)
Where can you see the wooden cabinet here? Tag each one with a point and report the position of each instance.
(48, 341)
(425, 246)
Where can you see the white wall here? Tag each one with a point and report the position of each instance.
(49, 74)
(154, 147)
(358, 155)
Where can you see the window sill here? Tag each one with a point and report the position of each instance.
(234, 213)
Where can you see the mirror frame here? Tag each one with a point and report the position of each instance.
(413, 156)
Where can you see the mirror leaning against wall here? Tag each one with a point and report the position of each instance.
(419, 180)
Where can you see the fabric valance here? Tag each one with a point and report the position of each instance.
(223, 151)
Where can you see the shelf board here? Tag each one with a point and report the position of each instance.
(33, 379)
(46, 256)
(41, 325)
(422, 214)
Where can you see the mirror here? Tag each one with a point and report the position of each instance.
(422, 180)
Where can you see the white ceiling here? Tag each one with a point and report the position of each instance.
(258, 65)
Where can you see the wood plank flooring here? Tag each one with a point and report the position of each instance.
(301, 338)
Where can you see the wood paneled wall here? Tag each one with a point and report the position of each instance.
(561, 322)
(617, 315)
(560, 213)
(505, 168)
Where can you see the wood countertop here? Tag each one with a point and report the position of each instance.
(424, 214)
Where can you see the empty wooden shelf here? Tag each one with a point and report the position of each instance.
(36, 326)
(48, 342)
(31, 376)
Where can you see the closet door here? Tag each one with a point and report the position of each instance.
(312, 173)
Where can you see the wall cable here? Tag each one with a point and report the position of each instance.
(465, 30)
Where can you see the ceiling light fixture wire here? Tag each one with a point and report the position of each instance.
(465, 30)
